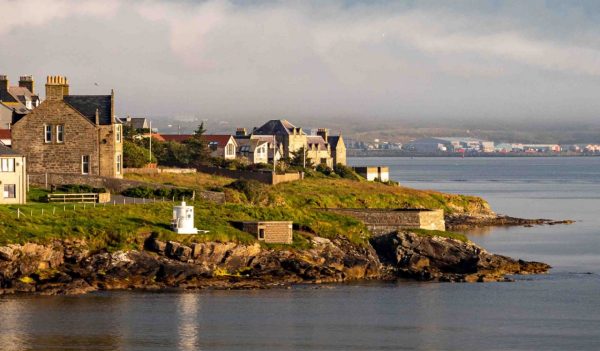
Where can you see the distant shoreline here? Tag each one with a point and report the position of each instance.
(397, 153)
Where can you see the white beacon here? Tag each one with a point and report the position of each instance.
(183, 219)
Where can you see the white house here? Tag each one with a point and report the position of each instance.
(13, 177)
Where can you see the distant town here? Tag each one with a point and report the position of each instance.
(456, 146)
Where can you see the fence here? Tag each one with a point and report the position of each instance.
(84, 197)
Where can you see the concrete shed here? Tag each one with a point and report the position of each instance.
(271, 232)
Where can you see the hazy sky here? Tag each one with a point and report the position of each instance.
(237, 60)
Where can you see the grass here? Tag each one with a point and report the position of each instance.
(126, 226)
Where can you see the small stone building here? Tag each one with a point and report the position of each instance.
(271, 232)
(71, 134)
(13, 177)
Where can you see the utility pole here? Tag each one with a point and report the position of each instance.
(274, 153)
(150, 142)
(303, 157)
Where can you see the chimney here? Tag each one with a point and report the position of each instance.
(26, 82)
(324, 133)
(240, 132)
(3, 84)
(57, 87)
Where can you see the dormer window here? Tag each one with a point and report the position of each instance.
(28, 104)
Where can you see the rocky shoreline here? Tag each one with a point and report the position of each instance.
(68, 267)
(466, 221)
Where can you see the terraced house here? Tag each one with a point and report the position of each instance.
(16, 100)
(70, 134)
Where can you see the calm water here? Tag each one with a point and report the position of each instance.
(559, 311)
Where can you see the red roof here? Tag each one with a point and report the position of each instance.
(5, 134)
(221, 140)
(173, 137)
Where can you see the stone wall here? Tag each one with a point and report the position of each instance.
(275, 232)
(114, 185)
(263, 177)
(384, 221)
(80, 138)
(158, 170)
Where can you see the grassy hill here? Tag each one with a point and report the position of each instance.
(122, 226)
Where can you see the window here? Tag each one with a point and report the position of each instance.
(28, 104)
(119, 164)
(230, 149)
(118, 132)
(60, 133)
(85, 164)
(261, 233)
(7, 165)
(10, 191)
(213, 145)
(47, 133)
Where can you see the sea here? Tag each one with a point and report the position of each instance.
(556, 311)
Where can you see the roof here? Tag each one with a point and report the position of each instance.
(275, 127)
(220, 140)
(178, 138)
(88, 104)
(333, 140)
(249, 145)
(137, 122)
(316, 140)
(5, 134)
(5, 150)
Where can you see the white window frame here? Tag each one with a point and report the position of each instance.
(7, 165)
(230, 150)
(83, 163)
(118, 135)
(119, 163)
(60, 131)
(47, 133)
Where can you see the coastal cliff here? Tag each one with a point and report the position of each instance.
(68, 267)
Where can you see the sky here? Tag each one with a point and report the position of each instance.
(232, 60)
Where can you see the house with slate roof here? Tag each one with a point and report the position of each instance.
(320, 148)
(71, 134)
(13, 177)
(16, 100)
(220, 145)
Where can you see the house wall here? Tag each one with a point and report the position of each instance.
(109, 149)
(381, 222)
(18, 178)
(6, 114)
(275, 232)
(263, 177)
(263, 156)
(80, 138)
(339, 156)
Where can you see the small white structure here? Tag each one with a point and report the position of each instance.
(183, 219)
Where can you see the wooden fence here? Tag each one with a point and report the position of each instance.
(80, 198)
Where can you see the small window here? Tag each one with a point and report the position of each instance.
(119, 164)
(7, 165)
(28, 104)
(48, 133)
(118, 132)
(60, 133)
(230, 149)
(85, 164)
(10, 191)
(261, 233)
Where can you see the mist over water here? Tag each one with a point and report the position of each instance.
(558, 311)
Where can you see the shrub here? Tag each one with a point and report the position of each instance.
(79, 189)
(147, 192)
(251, 188)
(346, 172)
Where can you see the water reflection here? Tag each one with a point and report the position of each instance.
(188, 306)
(11, 325)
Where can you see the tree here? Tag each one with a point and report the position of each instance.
(197, 148)
(300, 158)
(135, 156)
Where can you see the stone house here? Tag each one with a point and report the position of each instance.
(320, 148)
(71, 134)
(223, 146)
(13, 177)
(253, 150)
(271, 232)
(16, 101)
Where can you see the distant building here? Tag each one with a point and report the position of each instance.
(541, 148)
(271, 232)
(320, 148)
(73, 134)
(136, 123)
(450, 144)
(13, 177)
(253, 150)
(16, 101)
(223, 146)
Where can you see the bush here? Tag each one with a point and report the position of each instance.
(346, 172)
(147, 192)
(135, 156)
(251, 188)
(78, 189)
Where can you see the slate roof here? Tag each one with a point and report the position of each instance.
(88, 104)
(316, 140)
(6, 151)
(275, 127)
(333, 140)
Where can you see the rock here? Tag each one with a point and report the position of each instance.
(6, 253)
